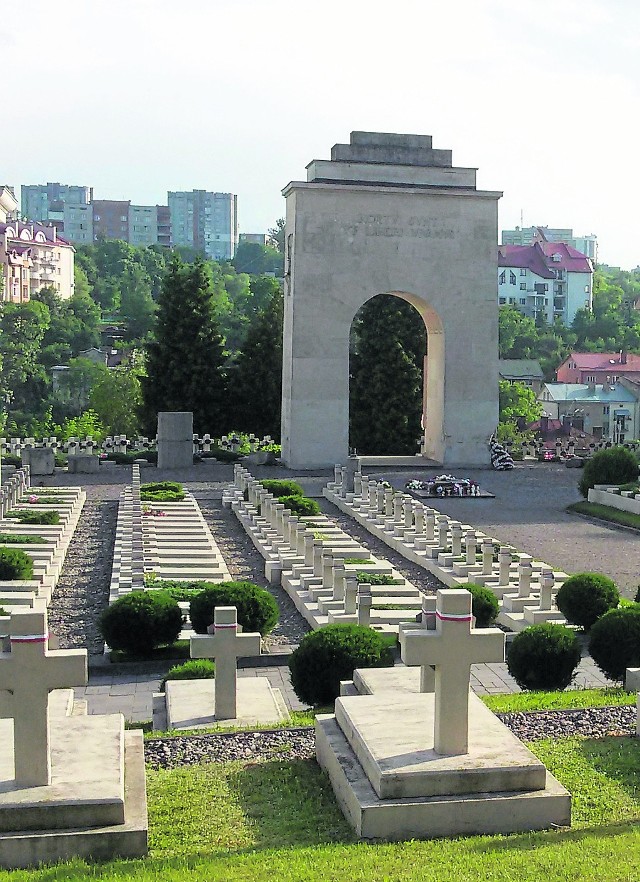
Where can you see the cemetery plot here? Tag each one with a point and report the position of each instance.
(45, 543)
(455, 553)
(329, 576)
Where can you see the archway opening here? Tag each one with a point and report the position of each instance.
(396, 377)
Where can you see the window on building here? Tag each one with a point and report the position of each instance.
(502, 301)
(523, 301)
(96, 217)
(512, 277)
(123, 217)
(605, 410)
(523, 286)
(590, 378)
(523, 272)
(502, 277)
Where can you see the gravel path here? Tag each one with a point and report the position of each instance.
(82, 591)
(288, 744)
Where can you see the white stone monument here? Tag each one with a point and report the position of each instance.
(389, 214)
(62, 773)
(226, 699)
(175, 439)
(406, 764)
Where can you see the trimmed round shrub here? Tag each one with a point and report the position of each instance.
(162, 491)
(616, 465)
(154, 486)
(194, 669)
(139, 622)
(34, 517)
(583, 598)
(300, 505)
(257, 609)
(282, 487)
(544, 657)
(15, 564)
(614, 642)
(484, 605)
(331, 654)
(3, 611)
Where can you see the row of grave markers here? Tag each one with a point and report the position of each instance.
(122, 444)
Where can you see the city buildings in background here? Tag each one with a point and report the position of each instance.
(32, 256)
(547, 279)
(197, 219)
(205, 221)
(587, 245)
(253, 238)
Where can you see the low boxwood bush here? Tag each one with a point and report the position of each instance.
(41, 500)
(484, 604)
(544, 657)
(20, 539)
(181, 591)
(140, 621)
(300, 505)
(221, 455)
(331, 654)
(617, 465)
(154, 486)
(15, 564)
(3, 611)
(162, 491)
(34, 517)
(378, 579)
(257, 609)
(282, 487)
(194, 669)
(614, 642)
(583, 598)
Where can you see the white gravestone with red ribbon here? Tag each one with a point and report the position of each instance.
(27, 675)
(452, 648)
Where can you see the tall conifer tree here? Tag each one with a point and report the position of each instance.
(185, 361)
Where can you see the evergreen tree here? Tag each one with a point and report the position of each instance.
(389, 340)
(257, 374)
(185, 361)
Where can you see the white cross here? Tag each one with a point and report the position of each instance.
(226, 645)
(27, 674)
(452, 648)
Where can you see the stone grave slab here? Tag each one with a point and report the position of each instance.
(190, 704)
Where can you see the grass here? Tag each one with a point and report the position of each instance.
(272, 819)
(21, 539)
(575, 698)
(605, 513)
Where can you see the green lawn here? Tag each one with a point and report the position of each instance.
(606, 513)
(268, 821)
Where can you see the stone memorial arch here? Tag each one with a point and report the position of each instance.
(389, 214)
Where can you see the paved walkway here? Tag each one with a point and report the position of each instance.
(132, 695)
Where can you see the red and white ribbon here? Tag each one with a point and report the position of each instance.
(450, 617)
(29, 638)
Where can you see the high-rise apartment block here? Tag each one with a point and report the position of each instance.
(46, 202)
(205, 221)
(587, 245)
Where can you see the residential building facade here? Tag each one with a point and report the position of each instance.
(587, 245)
(526, 371)
(204, 221)
(32, 257)
(598, 367)
(254, 238)
(547, 279)
(610, 412)
(46, 202)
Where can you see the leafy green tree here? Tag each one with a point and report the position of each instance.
(75, 385)
(276, 234)
(22, 329)
(251, 257)
(518, 401)
(116, 398)
(256, 378)
(136, 303)
(185, 363)
(386, 377)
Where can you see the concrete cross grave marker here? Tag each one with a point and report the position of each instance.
(452, 648)
(226, 645)
(27, 674)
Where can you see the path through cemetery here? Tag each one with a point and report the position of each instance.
(528, 510)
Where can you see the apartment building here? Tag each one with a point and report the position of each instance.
(207, 222)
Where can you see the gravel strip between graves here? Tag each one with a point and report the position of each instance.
(420, 578)
(82, 591)
(290, 744)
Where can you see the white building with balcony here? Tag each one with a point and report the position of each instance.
(32, 257)
(547, 279)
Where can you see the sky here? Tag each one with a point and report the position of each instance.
(137, 97)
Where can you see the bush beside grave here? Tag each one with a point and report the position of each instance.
(331, 654)
(15, 564)
(484, 605)
(544, 657)
(194, 669)
(34, 517)
(162, 491)
(614, 642)
(141, 621)
(616, 465)
(282, 487)
(11, 459)
(3, 611)
(257, 609)
(300, 505)
(584, 597)
(21, 539)
(377, 579)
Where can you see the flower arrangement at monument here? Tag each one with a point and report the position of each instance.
(445, 485)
